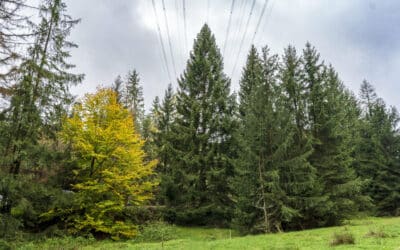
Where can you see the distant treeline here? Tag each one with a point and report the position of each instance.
(293, 149)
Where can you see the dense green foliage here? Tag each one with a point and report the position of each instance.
(378, 151)
(273, 180)
(31, 154)
(201, 139)
(295, 150)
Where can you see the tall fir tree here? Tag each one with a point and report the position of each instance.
(165, 119)
(42, 93)
(117, 86)
(378, 151)
(297, 176)
(15, 31)
(256, 180)
(133, 98)
(246, 182)
(31, 152)
(333, 156)
(202, 139)
(164, 116)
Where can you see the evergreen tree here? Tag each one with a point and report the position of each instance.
(133, 98)
(368, 97)
(297, 176)
(117, 87)
(368, 149)
(333, 156)
(378, 151)
(149, 129)
(252, 75)
(164, 116)
(14, 34)
(202, 139)
(257, 176)
(31, 152)
(42, 94)
(165, 119)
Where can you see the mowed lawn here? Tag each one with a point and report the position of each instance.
(370, 233)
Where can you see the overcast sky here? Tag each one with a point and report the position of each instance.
(360, 38)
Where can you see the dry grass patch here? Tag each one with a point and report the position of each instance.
(377, 234)
(345, 238)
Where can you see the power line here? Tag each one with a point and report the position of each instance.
(179, 35)
(169, 38)
(244, 36)
(240, 22)
(268, 15)
(184, 23)
(259, 21)
(229, 26)
(161, 40)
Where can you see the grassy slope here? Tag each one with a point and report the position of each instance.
(199, 238)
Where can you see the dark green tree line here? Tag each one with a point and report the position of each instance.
(295, 150)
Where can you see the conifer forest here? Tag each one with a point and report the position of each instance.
(290, 148)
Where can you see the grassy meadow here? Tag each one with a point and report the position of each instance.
(368, 233)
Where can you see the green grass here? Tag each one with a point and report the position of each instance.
(370, 233)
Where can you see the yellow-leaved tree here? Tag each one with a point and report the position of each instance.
(111, 173)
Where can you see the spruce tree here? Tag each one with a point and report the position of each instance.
(164, 115)
(165, 120)
(202, 139)
(252, 75)
(333, 156)
(41, 94)
(370, 157)
(117, 87)
(39, 100)
(15, 31)
(248, 182)
(297, 176)
(378, 152)
(260, 198)
(133, 98)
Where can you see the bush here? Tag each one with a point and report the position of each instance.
(142, 214)
(342, 239)
(9, 227)
(156, 232)
(53, 231)
(377, 234)
(4, 245)
(24, 201)
(67, 243)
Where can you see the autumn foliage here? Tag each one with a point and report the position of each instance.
(111, 171)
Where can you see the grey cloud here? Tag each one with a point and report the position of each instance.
(359, 37)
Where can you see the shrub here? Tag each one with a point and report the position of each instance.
(140, 215)
(156, 232)
(4, 245)
(9, 227)
(67, 243)
(377, 234)
(342, 239)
